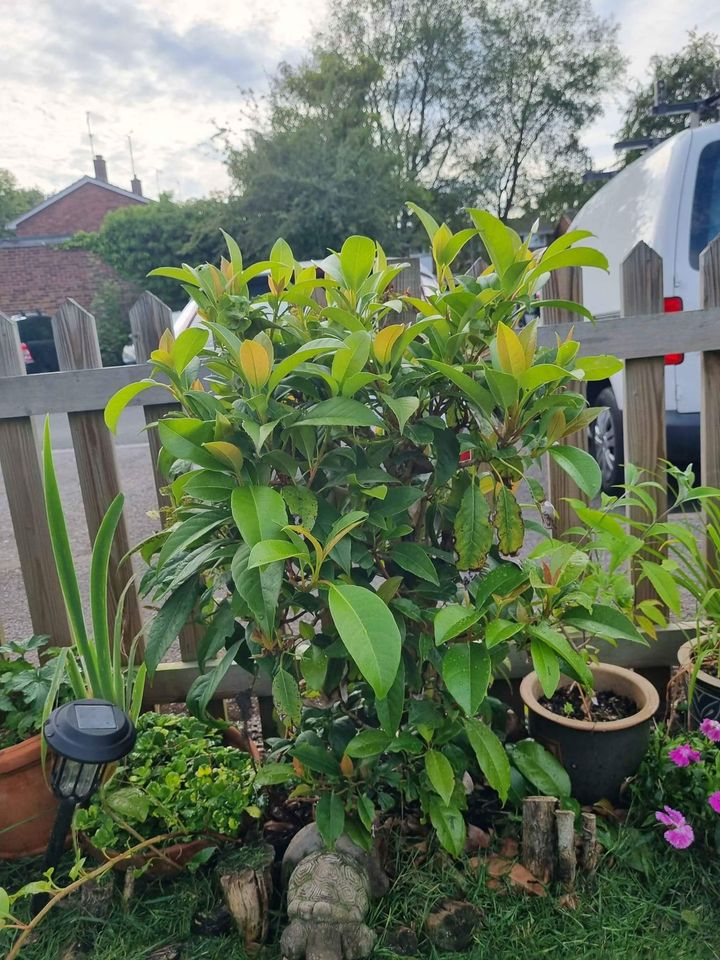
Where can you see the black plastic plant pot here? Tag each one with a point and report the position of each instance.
(706, 695)
(598, 757)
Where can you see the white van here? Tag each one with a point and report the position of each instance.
(670, 198)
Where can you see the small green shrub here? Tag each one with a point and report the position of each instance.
(347, 510)
(180, 777)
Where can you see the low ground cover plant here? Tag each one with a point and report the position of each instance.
(181, 779)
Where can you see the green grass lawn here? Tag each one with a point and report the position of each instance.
(669, 912)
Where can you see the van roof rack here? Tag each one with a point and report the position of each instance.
(697, 110)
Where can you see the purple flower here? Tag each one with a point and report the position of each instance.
(711, 729)
(681, 833)
(670, 817)
(714, 801)
(683, 755)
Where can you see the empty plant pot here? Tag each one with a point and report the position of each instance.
(598, 756)
(27, 805)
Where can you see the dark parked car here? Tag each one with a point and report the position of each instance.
(37, 342)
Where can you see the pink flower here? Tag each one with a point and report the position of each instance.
(680, 837)
(681, 834)
(670, 817)
(714, 801)
(683, 755)
(711, 729)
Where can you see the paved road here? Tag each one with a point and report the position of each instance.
(136, 483)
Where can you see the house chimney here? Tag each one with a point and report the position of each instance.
(136, 186)
(100, 168)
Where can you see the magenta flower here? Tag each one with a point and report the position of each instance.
(670, 817)
(714, 801)
(683, 755)
(681, 834)
(711, 729)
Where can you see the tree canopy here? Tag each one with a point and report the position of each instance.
(15, 200)
(692, 73)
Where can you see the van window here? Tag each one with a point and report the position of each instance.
(705, 222)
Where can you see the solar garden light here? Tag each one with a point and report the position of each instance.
(84, 737)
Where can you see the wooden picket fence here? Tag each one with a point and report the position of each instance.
(642, 336)
(82, 387)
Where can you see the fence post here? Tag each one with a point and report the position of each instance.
(20, 463)
(710, 383)
(77, 347)
(644, 401)
(564, 284)
(149, 319)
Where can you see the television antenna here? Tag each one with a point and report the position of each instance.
(90, 135)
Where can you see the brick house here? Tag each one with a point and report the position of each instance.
(36, 274)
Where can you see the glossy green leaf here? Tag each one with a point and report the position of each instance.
(440, 774)
(541, 768)
(466, 670)
(449, 825)
(664, 584)
(341, 412)
(546, 666)
(286, 697)
(119, 401)
(259, 513)
(369, 632)
(390, 709)
(453, 620)
(412, 557)
(498, 631)
(598, 368)
(268, 551)
(603, 621)
(563, 648)
(204, 687)
(403, 408)
(491, 756)
(168, 622)
(330, 818)
(367, 743)
(474, 391)
(580, 466)
(357, 256)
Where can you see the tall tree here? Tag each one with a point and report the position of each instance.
(545, 66)
(424, 94)
(691, 73)
(14, 200)
(313, 170)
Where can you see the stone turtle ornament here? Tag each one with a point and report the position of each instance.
(329, 893)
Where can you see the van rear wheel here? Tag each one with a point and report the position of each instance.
(606, 440)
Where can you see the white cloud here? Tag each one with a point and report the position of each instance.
(167, 73)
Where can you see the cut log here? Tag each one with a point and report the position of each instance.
(247, 893)
(538, 844)
(566, 858)
(588, 845)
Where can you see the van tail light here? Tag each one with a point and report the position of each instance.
(673, 305)
(26, 355)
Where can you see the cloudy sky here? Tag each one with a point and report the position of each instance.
(170, 74)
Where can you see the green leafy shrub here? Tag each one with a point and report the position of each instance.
(25, 687)
(180, 777)
(346, 511)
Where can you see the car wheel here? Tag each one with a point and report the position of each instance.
(606, 440)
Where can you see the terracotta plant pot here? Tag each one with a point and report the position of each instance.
(706, 696)
(27, 805)
(178, 855)
(598, 757)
